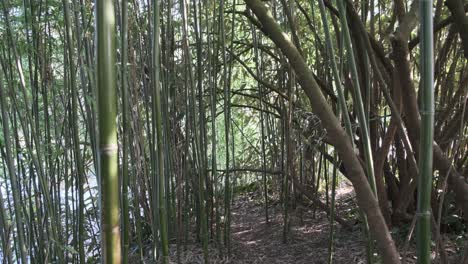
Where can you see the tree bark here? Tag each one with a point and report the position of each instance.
(461, 21)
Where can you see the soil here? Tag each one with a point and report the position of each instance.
(255, 241)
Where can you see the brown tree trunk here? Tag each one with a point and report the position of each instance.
(382, 155)
(461, 21)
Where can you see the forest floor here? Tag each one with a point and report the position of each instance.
(255, 241)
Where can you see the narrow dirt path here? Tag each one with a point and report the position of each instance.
(255, 241)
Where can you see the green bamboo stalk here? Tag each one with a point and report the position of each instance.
(125, 134)
(188, 81)
(332, 209)
(67, 182)
(363, 124)
(234, 173)
(201, 121)
(358, 97)
(217, 184)
(289, 145)
(158, 142)
(262, 120)
(107, 112)
(214, 165)
(319, 174)
(227, 97)
(326, 178)
(150, 110)
(210, 25)
(227, 193)
(167, 81)
(335, 72)
(423, 226)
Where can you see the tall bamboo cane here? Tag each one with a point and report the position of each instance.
(202, 155)
(107, 112)
(335, 72)
(423, 227)
(358, 97)
(158, 133)
(227, 194)
(125, 136)
(262, 119)
(363, 123)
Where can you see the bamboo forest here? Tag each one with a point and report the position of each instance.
(234, 131)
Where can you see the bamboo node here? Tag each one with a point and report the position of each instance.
(422, 214)
(108, 148)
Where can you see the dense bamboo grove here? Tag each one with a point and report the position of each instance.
(129, 129)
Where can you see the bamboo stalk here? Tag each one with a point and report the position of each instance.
(335, 72)
(125, 134)
(202, 153)
(158, 142)
(107, 111)
(423, 225)
(262, 119)
(363, 121)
